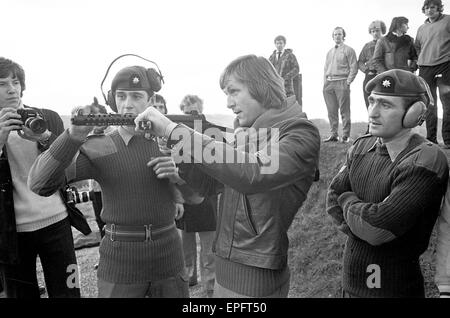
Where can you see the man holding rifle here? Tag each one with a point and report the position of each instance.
(141, 255)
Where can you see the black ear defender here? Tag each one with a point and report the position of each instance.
(416, 113)
(155, 78)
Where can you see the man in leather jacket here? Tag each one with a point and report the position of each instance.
(266, 176)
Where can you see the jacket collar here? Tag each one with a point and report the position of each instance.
(272, 116)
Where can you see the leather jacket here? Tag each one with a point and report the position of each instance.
(257, 209)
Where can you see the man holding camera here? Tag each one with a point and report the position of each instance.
(30, 225)
(141, 254)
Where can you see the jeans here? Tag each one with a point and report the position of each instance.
(438, 77)
(172, 287)
(54, 245)
(337, 97)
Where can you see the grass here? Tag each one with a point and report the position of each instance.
(316, 247)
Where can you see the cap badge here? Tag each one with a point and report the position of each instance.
(135, 80)
(386, 83)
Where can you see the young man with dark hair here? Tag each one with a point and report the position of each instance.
(285, 63)
(30, 225)
(266, 176)
(387, 196)
(433, 49)
(141, 254)
(159, 103)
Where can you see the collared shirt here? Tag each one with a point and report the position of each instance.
(282, 52)
(394, 147)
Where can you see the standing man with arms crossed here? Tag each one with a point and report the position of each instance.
(341, 67)
(433, 48)
(387, 196)
(141, 253)
(30, 225)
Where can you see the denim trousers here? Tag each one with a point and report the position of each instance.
(54, 245)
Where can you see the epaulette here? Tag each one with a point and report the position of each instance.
(362, 137)
(95, 135)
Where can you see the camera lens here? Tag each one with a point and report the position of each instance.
(37, 125)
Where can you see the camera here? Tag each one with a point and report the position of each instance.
(74, 196)
(33, 120)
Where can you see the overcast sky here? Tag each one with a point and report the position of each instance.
(66, 46)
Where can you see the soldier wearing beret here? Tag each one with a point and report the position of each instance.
(141, 254)
(387, 195)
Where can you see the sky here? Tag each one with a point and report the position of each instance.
(65, 47)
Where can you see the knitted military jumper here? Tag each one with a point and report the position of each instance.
(388, 210)
(132, 195)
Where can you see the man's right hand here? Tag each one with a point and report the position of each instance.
(80, 133)
(9, 120)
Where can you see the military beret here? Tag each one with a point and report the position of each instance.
(398, 83)
(131, 78)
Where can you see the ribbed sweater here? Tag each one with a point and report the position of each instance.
(132, 195)
(390, 209)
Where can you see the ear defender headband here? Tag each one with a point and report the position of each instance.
(415, 115)
(154, 78)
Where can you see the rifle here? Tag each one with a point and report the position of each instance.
(193, 121)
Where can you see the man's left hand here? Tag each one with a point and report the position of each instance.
(179, 211)
(165, 168)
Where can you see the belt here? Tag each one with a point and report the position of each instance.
(336, 78)
(136, 233)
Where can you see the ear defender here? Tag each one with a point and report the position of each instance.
(155, 79)
(111, 101)
(415, 115)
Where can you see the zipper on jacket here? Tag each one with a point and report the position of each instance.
(248, 213)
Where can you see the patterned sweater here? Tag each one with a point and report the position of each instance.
(132, 195)
(388, 210)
